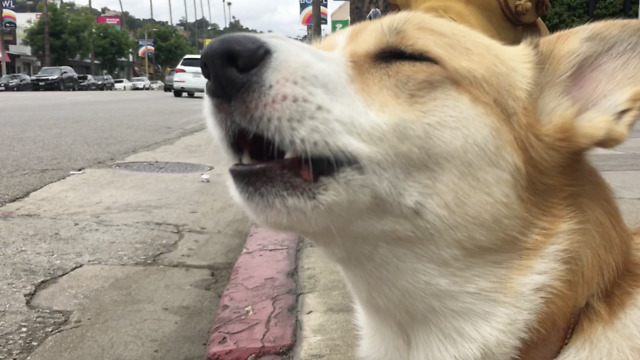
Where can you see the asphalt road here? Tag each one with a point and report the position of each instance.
(45, 135)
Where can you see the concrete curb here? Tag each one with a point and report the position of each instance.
(256, 314)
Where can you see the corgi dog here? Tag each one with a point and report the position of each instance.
(445, 173)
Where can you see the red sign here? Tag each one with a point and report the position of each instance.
(110, 20)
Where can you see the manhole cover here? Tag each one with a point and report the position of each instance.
(162, 167)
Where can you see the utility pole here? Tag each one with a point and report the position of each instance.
(93, 55)
(146, 52)
(127, 71)
(209, 5)
(170, 14)
(186, 15)
(202, 10)
(627, 8)
(4, 65)
(592, 8)
(316, 18)
(122, 13)
(225, 13)
(146, 47)
(47, 47)
(195, 23)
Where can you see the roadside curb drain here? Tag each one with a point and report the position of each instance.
(162, 167)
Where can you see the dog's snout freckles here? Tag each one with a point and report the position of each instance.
(233, 63)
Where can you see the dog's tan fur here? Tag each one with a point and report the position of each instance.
(476, 228)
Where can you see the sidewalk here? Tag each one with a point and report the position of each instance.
(119, 265)
(112, 264)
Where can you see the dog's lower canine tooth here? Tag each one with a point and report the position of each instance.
(246, 158)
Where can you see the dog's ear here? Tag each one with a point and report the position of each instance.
(589, 83)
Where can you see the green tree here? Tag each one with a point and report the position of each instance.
(170, 44)
(565, 14)
(111, 44)
(208, 30)
(234, 26)
(69, 35)
(608, 9)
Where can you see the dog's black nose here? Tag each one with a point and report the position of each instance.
(232, 62)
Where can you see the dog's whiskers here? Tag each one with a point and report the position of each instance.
(306, 145)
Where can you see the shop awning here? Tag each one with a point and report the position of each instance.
(5, 57)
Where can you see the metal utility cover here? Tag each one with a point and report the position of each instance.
(162, 167)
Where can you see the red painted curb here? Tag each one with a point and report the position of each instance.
(256, 313)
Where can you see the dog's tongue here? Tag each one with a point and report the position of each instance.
(306, 173)
(294, 165)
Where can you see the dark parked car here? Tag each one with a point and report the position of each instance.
(15, 82)
(105, 82)
(168, 80)
(55, 77)
(87, 82)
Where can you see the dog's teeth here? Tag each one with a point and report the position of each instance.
(246, 158)
(289, 155)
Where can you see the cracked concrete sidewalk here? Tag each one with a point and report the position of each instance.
(111, 264)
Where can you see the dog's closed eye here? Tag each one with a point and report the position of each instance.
(397, 55)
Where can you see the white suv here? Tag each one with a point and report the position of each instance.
(188, 77)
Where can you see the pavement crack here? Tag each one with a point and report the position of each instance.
(178, 230)
(229, 321)
(249, 326)
(212, 267)
(247, 252)
(267, 325)
(44, 283)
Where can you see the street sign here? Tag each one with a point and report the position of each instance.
(143, 42)
(146, 46)
(338, 25)
(9, 14)
(109, 20)
(306, 13)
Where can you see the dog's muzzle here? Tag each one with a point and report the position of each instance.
(232, 63)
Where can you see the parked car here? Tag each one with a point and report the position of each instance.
(15, 82)
(123, 84)
(55, 77)
(168, 80)
(157, 85)
(141, 83)
(188, 77)
(87, 82)
(105, 82)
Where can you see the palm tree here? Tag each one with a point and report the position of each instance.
(122, 15)
(195, 23)
(229, 5)
(186, 15)
(225, 14)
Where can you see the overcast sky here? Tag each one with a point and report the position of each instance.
(282, 16)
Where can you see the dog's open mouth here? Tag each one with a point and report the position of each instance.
(260, 157)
